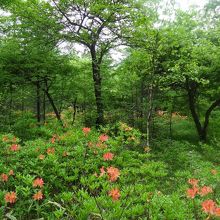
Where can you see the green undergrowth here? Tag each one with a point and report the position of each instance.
(150, 181)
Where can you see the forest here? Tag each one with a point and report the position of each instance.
(109, 110)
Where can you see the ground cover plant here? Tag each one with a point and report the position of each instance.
(89, 174)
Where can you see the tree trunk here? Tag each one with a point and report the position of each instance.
(10, 105)
(207, 116)
(54, 106)
(97, 87)
(74, 110)
(149, 113)
(44, 107)
(201, 130)
(38, 101)
(191, 90)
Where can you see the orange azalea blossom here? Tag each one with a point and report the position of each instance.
(108, 156)
(4, 177)
(191, 193)
(115, 194)
(65, 154)
(38, 182)
(41, 156)
(10, 197)
(128, 129)
(4, 138)
(103, 137)
(52, 140)
(102, 170)
(51, 150)
(86, 130)
(90, 144)
(217, 212)
(14, 139)
(38, 195)
(132, 138)
(113, 173)
(205, 190)
(209, 207)
(14, 147)
(101, 145)
(147, 149)
(214, 172)
(193, 182)
(11, 173)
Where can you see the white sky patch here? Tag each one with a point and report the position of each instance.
(186, 4)
(4, 13)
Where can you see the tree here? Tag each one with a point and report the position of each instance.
(24, 64)
(191, 64)
(97, 25)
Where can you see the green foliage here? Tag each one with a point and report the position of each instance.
(73, 187)
(142, 163)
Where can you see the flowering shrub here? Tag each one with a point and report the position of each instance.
(85, 174)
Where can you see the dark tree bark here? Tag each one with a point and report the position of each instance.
(44, 107)
(10, 105)
(74, 110)
(207, 116)
(46, 92)
(149, 113)
(97, 87)
(53, 106)
(38, 101)
(191, 88)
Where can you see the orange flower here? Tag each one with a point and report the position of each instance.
(52, 140)
(191, 193)
(38, 182)
(38, 195)
(193, 182)
(128, 129)
(205, 190)
(108, 156)
(101, 145)
(10, 197)
(209, 207)
(217, 212)
(103, 137)
(147, 149)
(11, 173)
(41, 156)
(214, 172)
(65, 154)
(86, 130)
(4, 177)
(4, 138)
(51, 150)
(14, 139)
(113, 173)
(90, 144)
(14, 147)
(102, 170)
(115, 194)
